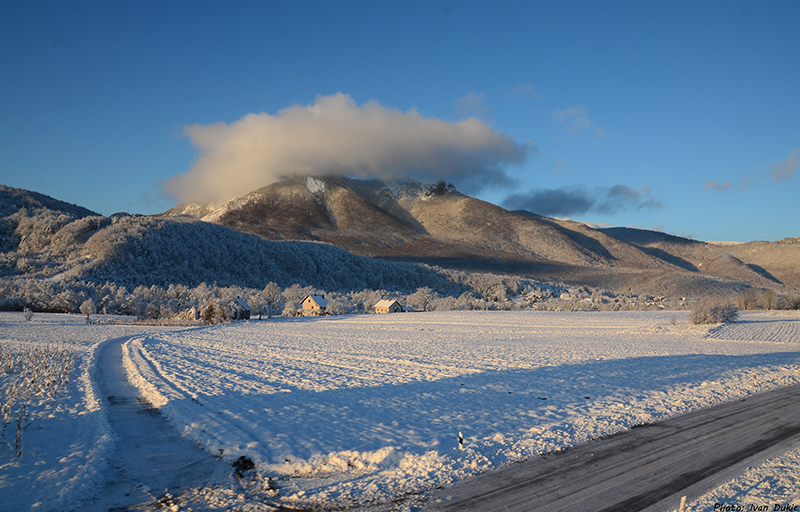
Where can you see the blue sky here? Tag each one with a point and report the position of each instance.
(679, 116)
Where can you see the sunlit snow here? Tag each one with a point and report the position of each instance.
(367, 408)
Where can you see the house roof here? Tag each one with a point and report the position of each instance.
(385, 303)
(243, 304)
(320, 300)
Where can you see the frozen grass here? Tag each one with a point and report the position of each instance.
(30, 377)
(66, 439)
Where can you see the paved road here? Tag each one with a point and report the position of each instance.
(645, 468)
(152, 459)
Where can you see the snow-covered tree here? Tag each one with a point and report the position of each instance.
(270, 301)
(88, 308)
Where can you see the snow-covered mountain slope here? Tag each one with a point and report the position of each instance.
(768, 262)
(410, 219)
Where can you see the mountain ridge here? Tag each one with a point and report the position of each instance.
(435, 223)
(409, 219)
(405, 222)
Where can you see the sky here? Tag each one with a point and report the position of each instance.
(678, 116)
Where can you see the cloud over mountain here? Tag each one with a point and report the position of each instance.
(335, 136)
(578, 200)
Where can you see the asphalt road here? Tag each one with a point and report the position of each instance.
(646, 468)
(152, 461)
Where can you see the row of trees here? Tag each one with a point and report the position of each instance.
(751, 299)
(215, 303)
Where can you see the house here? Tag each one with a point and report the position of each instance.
(241, 309)
(388, 306)
(314, 305)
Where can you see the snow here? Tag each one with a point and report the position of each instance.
(315, 186)
(366, 409)
(66, 446)
(237, 203)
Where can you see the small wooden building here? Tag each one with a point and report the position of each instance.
(242, 309)
(388, 306)
(314, 305)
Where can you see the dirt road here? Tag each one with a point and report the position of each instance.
(646, 468)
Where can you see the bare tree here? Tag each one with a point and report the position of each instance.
(768, 298)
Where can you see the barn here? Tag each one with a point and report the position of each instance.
(242, 309)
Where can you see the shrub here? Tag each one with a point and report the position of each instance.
(713, 312)
(790, 302)
(768, 299)
(747, 300)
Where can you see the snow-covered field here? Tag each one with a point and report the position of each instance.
(367, 409)
(66, 444)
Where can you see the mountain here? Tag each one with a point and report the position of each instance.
(409, 220)
(434, 223)
(758, 263)
(56, 242)
(341, 234)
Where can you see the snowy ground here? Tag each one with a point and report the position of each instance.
(66, 445)
(367, 409)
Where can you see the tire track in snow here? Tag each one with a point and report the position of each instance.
(152, 460)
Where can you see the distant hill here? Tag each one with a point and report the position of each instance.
(147, 250)
(756, 263)
(55, 241)
(26, 218)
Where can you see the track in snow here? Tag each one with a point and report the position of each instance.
(645, 468)
(152, 459)
(781, 330)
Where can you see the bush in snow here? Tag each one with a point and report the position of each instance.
(768, 299)
(747, 300)
(791, 302)
(214, 314)
(713, 312)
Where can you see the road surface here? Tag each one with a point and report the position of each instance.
(646, 468)
(152, 462)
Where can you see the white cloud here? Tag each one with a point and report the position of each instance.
(780, 171)
(334, 136)
(474, 103)
(575, 118)
(716, 185)
(526, 90)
